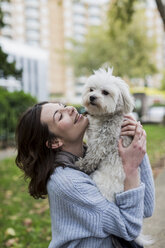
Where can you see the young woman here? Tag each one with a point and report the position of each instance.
(49, 140)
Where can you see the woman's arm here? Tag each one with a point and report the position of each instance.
(132, 157)
(128, 128)
(147, 178)
(78, 197)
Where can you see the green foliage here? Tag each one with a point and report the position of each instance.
(127, 50)
(1, 14)
(12, 105)
(6, 68)
(135, 49)
(1, 17)
(122, 11)
(125, 9)
(90, 54)
(163, 81)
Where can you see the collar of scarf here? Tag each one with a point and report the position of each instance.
(67, 159)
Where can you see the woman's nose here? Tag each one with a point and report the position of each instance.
(70, 109)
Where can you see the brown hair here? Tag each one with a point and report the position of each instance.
(34, 157)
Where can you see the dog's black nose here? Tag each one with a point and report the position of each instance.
(92, 98)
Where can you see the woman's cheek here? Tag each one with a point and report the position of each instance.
(65, 125)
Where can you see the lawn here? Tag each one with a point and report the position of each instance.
(155, 142)
(24, 221)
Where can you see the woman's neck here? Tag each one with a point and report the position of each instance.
(74, 148)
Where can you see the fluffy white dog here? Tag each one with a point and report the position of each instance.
(106, 99)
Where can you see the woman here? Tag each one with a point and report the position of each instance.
(49, 141)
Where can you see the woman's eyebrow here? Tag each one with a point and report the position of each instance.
(61, 104)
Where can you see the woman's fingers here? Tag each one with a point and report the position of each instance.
(131, 117)
(127, 133)
(137, 134)
(129, 126)
(142, 142)
(128, 129)
(139, 140)
(128, 122)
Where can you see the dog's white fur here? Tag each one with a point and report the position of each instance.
(106, 99)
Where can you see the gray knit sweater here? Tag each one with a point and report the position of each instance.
(81, 217)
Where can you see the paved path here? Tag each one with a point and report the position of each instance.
(155, 225)
(9, 152)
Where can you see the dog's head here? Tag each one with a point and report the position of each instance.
(106, 94)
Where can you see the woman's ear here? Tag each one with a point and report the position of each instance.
(56, 143)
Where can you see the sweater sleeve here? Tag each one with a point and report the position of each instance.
(126, 216)
(147, 179)
(99, 216)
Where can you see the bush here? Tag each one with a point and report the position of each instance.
(12, 105)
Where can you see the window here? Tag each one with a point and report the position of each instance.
(32, 12)
(33, 3)
(32, 24)
(32, 35)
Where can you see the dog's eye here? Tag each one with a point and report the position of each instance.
(104, 92)
(91, 89)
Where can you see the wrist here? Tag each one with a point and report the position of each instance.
(132, 180)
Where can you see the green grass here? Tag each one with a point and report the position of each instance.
(29, 218)
(155, 142)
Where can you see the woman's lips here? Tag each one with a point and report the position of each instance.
(78, 118)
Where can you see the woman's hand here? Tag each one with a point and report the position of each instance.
(132, 157)
(128, 126)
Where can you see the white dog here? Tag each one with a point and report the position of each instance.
(106, 99)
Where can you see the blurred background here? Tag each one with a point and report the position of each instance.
(47, 50)
(49, 47)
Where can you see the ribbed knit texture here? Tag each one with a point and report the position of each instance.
(81, 217)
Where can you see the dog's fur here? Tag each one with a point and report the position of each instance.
(106, 99)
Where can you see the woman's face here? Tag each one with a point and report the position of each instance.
(64, 122)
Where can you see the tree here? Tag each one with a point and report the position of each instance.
(125, 9)
(161, 8)
(129, 52)
(90, 54)
(7, 68)
(163, 81)
(4, 109)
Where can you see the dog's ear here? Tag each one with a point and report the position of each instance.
(127, 99)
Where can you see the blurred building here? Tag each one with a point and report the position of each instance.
(34, 62)
(48, 24)
(155, 30)
(78, 17)
(40, 24)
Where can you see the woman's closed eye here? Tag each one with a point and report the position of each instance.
(60, 117)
